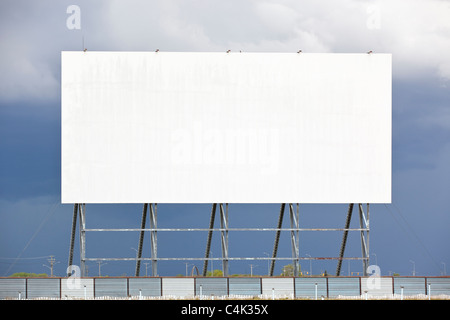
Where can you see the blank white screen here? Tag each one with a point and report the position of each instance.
(172, 127)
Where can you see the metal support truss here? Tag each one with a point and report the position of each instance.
(221, 259)
(141, 240)
(294, 220)
(344, 238)
(294, 237)
(72, 238)
(154, 239)
(224, 237)
(364, 225)
(277, 238)
(80, 211)
(364, 232)
(208, 241)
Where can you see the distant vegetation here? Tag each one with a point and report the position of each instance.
(28, 275)
(287, 271)
(217, 273)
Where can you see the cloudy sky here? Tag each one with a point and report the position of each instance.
(410, 233)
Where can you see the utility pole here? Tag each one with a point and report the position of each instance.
(251, 270)
(414, 268)
(310, 264)
(268, 266)
(99, 268)
(187, 264)
(146, 265)
(52, 262)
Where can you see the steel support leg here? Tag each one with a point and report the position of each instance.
(208, 240)
(364, 224)
(294, 238)
(224, 236)
(154, 239)
(72, 236)
(277, 239)
(344, 238)
(141, 240)
(367, 233)
(82, 211)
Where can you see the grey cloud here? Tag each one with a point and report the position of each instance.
(33, 33)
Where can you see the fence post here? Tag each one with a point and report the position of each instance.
(315, 290)
(195, 285)
(293, 282)
(260, 286)
(360, 290)
(393, 290)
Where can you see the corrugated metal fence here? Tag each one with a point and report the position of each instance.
(302, 287)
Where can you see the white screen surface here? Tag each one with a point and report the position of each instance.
(172, 127)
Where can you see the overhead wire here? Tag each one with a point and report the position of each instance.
(29, 258)
(22, 261)
(50, 212)
(410, 231)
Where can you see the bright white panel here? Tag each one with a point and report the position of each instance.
(226, 128)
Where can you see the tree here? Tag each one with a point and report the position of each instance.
(288, 271)
(216, 273)
(28, 275)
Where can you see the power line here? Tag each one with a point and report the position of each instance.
(100, 264)
(22, 261)
(417, 237)
(411, 232)
(50, 212)
(30, 258)
(52, 262)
